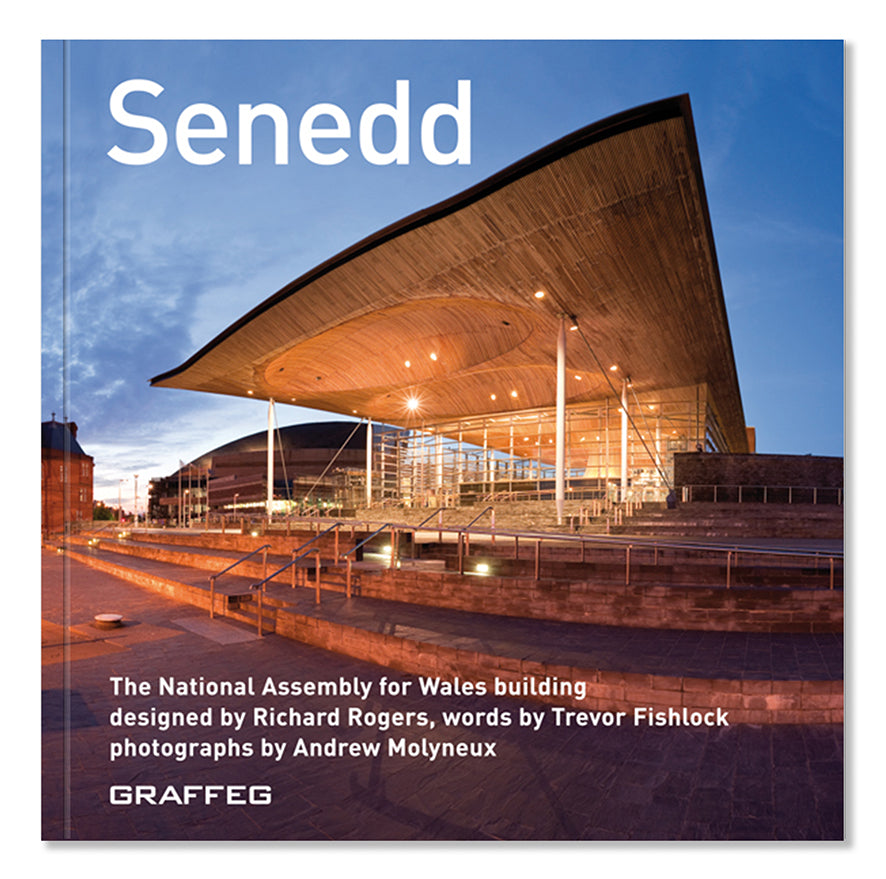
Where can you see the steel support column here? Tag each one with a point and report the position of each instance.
(368, 463)
(270, 499)
(624, 440)
(560, 429)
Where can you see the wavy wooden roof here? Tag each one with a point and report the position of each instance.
(611, 222)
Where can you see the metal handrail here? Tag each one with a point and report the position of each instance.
(438, 512)
(374, 533)
(248, 555)
(617, 540)
(319, 535)
(394, 551)
(260, 586)
(739, 489)
(214, 577)
(633, 543)
(479, 516)
(289, 564)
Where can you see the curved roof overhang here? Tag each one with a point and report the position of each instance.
(611, 222)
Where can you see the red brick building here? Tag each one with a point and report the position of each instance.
(66, 477)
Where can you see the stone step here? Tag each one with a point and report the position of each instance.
(756, 678)
(650, 565)
(648, 596)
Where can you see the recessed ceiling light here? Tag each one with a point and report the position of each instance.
(407, 363)
(433, 355)
(539, 294)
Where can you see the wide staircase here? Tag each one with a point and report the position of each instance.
(731, 521)
(728, 521)
(658, 621)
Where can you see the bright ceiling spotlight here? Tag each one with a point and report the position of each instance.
(412, 404)
(539, 294)
(492, 396)
(513, 393)
(407, 363)
(613, 368)
(433, 355)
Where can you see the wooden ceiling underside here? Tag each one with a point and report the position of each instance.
(611, 223)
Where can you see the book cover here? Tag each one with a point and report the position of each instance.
(438, 342)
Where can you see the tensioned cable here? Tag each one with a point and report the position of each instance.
(646, 424)
(334, 457)
(605, 373)
(282, 455)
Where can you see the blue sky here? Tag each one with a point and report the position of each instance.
(164, 256)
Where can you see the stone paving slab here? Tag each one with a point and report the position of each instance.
(217, 630)
(557, 783)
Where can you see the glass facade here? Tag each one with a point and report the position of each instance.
(511, 456)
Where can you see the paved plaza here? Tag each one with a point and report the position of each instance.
(505, 782)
